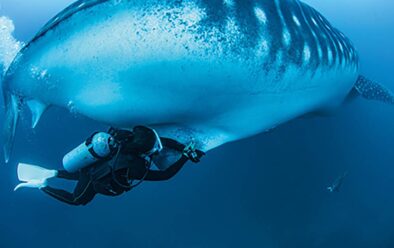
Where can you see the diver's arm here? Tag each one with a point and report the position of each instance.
(156, 175)
(172, 144)
(189, 151)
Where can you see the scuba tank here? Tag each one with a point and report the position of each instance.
(100, 146)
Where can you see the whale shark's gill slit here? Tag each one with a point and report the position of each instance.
(13, 105)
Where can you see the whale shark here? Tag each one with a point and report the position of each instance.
(207, 71)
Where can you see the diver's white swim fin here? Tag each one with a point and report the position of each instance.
(33, 176)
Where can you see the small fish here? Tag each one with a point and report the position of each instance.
(337, 184)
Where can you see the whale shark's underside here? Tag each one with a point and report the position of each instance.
(212, 71)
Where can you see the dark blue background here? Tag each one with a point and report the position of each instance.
(266, 191)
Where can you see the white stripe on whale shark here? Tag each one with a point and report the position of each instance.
(203, 70)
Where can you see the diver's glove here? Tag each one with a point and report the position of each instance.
(192, 153)
(32, 176)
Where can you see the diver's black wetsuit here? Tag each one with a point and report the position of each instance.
(114, 180)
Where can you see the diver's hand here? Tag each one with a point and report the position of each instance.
(192, 153)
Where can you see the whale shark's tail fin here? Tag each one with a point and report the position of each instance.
(371, 90)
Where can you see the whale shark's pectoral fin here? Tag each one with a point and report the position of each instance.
(372, 91)
(12, 108)
(37, 108)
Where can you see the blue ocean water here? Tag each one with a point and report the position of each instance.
(266, 191)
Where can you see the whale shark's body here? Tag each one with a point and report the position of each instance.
(205, 70)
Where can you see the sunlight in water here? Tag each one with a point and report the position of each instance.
(9, 46)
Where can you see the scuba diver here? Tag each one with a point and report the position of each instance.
(337, 184)
(110, 163)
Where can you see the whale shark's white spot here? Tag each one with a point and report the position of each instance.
(232, 29)
(265, 45)
(343, 62)
(71, 107)
(315, 22)
(39, 74)
(332, 49)
(229, 3)
(346, 50)
(279, 58)
(319, 51)
(340, 45)
(263, 48)
(286, 37)
(116, 2)
(9, 46)
(351, 55)
(260, 14)
(330, 55)
(296, 21)
(81, 5)
(306, 53)
(318, 45)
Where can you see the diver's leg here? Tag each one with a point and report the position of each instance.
(84, 191)
(67, 175)
(60, 195)
(82, 194)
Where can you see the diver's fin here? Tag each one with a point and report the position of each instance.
(31, 184)
(12, 108)
(33, 176)
(372, 91)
